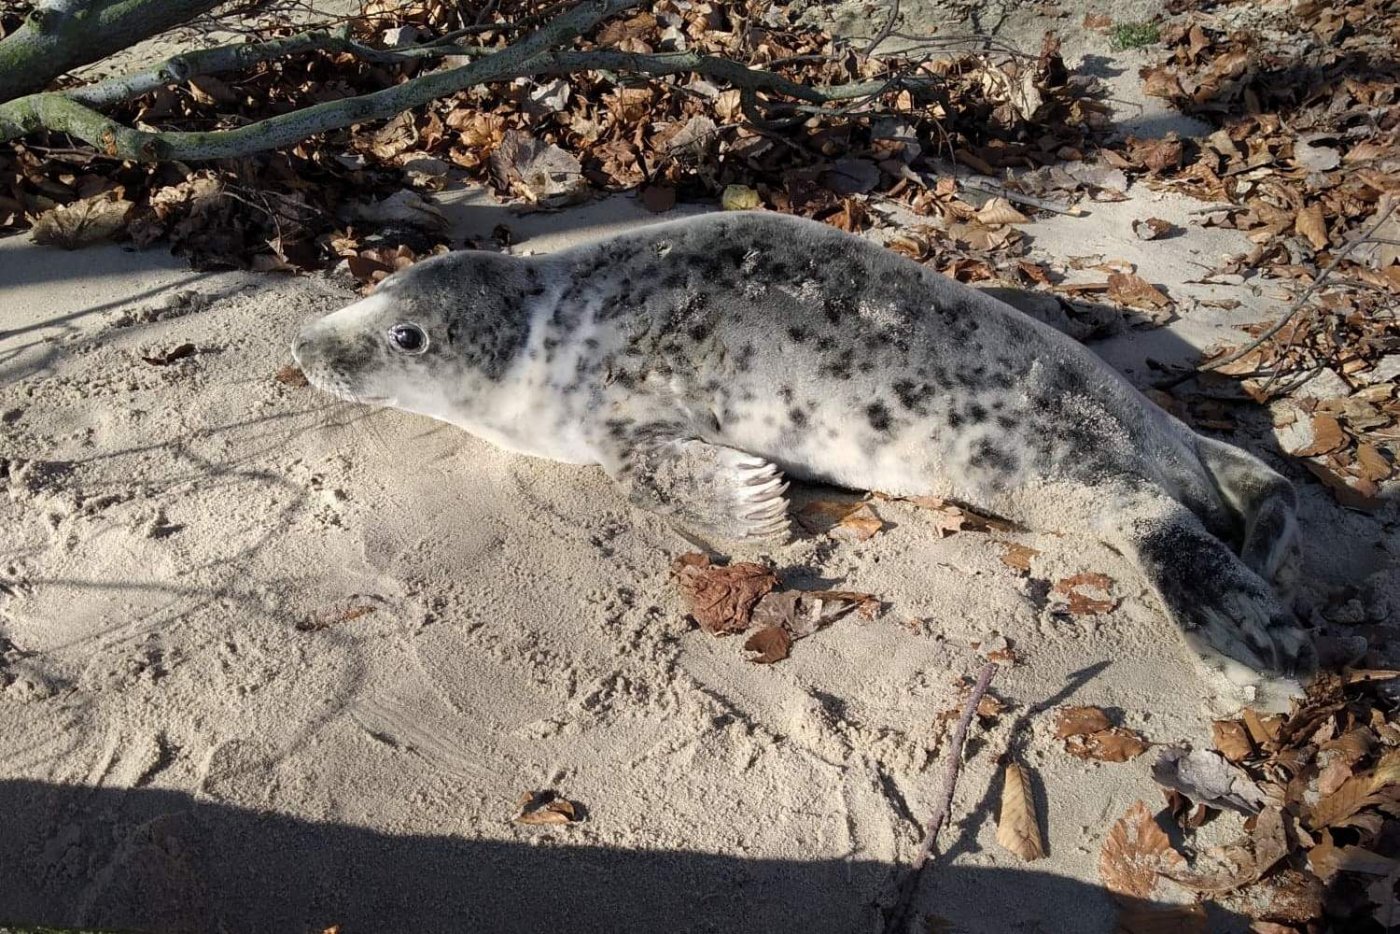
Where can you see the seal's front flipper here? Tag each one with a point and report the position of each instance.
(1267, 505)
(1231, 620)
(707, 490)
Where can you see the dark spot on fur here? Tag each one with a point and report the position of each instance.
(798, 417)
(878, 416)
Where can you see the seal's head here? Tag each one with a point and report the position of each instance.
(431, 339)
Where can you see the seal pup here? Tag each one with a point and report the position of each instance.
(702, 361)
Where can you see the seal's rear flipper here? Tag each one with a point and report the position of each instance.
(1231, 620)
(706, 489)
(1267, 505)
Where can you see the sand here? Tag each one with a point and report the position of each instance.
(270, 662)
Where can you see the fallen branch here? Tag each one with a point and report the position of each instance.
(65, 113)
(897, 917)
(76, 111)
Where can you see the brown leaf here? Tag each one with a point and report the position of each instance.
(1136, 292)
(1311, 224)
(1080, 603)
(1327, 436)
(81, 223)
(1097, 21)
(771, 645)
(1017, 556)
(168, 357)
(1079, 721)
(1113, 745)
(1153, 228)
(999, 211)
(852, 521)
(721, 599)
(544, 807)
(333, 617)
(1017, 829)
(1358, 792)
(1232, 739)
(1135, 851)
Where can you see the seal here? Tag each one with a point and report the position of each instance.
(704, 361)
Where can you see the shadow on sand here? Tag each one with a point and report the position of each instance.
(154, 860)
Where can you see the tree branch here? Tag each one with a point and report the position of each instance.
(60, 36)
(71, 113)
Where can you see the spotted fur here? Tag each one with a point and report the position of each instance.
(699, 361)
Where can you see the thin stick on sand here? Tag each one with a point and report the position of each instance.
(896, 919)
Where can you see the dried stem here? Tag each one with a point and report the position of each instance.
(897, 916)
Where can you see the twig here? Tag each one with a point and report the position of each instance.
(885, 30)
(897, 916)
(1073, 210)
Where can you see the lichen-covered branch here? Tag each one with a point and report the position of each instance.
(60, 36)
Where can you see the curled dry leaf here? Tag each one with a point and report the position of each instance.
(1017, 829)
(291, 375)
(1080, 721)
(1136, 917)
(70, 226)
(1135, 852)
(1327, 436)
(769, 645)
(544, 807)
(999, 211)
(1206, 777)
(721, 599)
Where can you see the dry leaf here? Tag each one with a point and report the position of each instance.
(1311, 224)
(1081, 603)
(1359, 791)
(291, 375)
(332, 617)
(1113, 745)
(721, 599)
(1017, 829)
(1153, 228)
(83, 222)
(1016, 556)
(544, 807)
(1079, 721)
(999, 211)
(1136, 292)
(1327, 436)
(739, 198)
(168, 357)
(850, 521)
(1135, 851)
(770, 645)
(1206, 777)
(1232, 739)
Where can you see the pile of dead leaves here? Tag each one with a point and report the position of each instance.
(552, 140)
(1320, 847)
(728, 599)
(1305, 160)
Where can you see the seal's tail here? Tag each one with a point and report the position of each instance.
(1267, 505)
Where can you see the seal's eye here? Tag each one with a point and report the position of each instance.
(409, 338)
